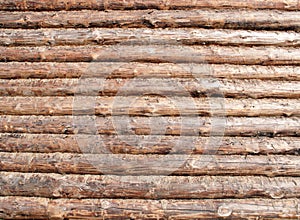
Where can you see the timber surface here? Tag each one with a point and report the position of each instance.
(147, 109)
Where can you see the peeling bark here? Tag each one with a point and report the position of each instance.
(141, 36)
(139, 87)
(122, 144)
(147, 187)
(137, 165)
(37, 5)
(178, 126)
(205, 18)
(24, 70)
(155, 53)
(150, 106)
(40, 208)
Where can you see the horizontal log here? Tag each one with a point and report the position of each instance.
(178, 126)
(124, 164)
(155, 53)
(148, 106)
(35, 5)
(206, 18)
(43, 208)
(169, 87)
(58, 37)
(122, 144)
(147, 187)
(24, 70)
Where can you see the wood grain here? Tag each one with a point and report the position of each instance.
(205, 18)
(137, 165)
(139, 87)
(35, 5)
(151, 106)
(142, 36)
(147, 187)
(155, 53)
(122, 144)
(25, 70)
(41, 208)
(183, 126)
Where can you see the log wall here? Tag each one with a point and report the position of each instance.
(147, 109)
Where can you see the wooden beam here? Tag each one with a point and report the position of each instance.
(24, 70)
(155, 53)
(147, 187)
(122, 144)
(149, 106)
(178, 126)
(205, 18)
(37, 5)
(42, 208)
(192, 88)
(137, 165)
(140, 36)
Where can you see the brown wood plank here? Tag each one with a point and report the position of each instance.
(124, 164)
(42, 208)
(24, 5)
(147, 187)
(122, 144)
(183, 126)
(149, 106)
(16, 70)
(155, 53)
(197, 87)
(208, 18)
(58, 37)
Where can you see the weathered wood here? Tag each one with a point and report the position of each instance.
(198, 87)
(58, 37)
(123, 125)
(149, 106)
(37, 5)
(251, 19)
(42, 208)
(147, 187)
(121, 144)
(16, 70)
(155, 53)
(124, 164)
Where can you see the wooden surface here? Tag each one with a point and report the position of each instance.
(204, 18)
(149, 109)
(144, 4)
(111, 70)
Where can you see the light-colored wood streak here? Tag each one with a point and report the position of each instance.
(142, 36)
(48, 70)
(262, 55)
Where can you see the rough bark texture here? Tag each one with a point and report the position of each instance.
(137, 165)
(36, 5)
(135, 36)
(147, 187)
(266, 55)
(122, 144)
(172, 88)
(25, 70)
(147, 109)
(230, 19)
(41, 208)
(119, 125)
(150, 106)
